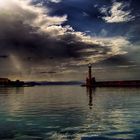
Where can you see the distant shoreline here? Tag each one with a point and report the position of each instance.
(5, 82)
(41, 83)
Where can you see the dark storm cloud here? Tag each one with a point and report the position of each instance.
(118, 60)
(23, 40)
(35, 40)
(3, 56)
(33, 34)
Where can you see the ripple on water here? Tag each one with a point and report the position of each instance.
(63, 113)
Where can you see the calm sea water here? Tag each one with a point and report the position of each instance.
(69, 113)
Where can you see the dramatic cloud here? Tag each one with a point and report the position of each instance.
(117, 13)
(32, 39)
(55, 1)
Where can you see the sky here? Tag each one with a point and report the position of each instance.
(57, 39)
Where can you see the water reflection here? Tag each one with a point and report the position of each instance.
(69, 112)
(11, 90)
(90, 92)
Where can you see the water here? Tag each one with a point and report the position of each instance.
(69, 113)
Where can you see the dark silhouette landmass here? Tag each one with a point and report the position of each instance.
(41, 83)
(5, 82)
(130, 83)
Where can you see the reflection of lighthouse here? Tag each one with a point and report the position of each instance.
(90, 93)
(90, 81)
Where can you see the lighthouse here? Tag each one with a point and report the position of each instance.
(90, 81)
(89, 74)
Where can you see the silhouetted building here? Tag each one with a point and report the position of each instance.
(4, 81)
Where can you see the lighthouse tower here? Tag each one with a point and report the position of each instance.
(90, 73)
(90, 81)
